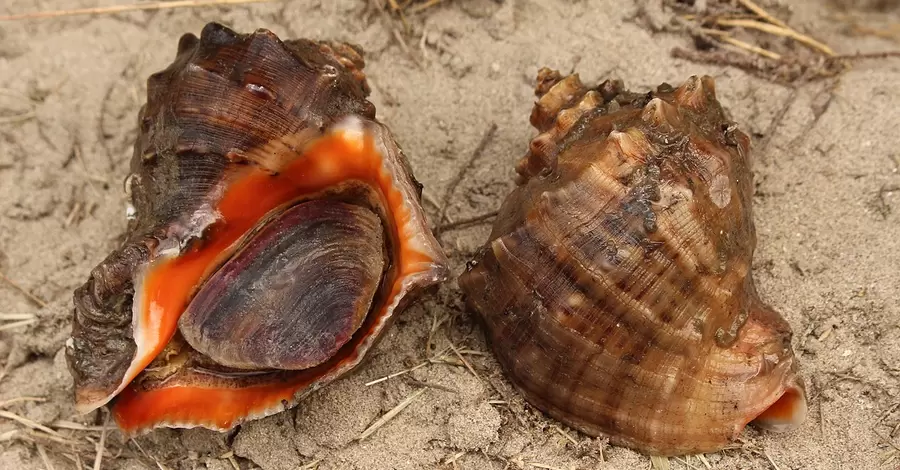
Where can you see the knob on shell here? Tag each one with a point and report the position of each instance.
(616, 288)
(275, 230)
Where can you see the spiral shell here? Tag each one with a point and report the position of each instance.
(616, 285)
(276, 229)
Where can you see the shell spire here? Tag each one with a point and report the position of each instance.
(616, 287)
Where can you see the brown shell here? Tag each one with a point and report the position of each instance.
(244, 139)
(616, 285)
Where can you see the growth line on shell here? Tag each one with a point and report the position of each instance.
(391, 414)
(126, 8)
(37, 300)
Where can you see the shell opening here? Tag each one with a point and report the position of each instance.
(786, 414)
(215, 399)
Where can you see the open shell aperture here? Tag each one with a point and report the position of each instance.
(616, 285)
(275, 230)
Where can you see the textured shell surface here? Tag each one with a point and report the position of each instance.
(616, 286)
(275, 229)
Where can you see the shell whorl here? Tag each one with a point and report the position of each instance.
(616, 285)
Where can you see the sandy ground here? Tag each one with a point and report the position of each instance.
(827, 212)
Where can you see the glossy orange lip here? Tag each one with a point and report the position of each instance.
(169, 284)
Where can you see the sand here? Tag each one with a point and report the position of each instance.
(827, 210)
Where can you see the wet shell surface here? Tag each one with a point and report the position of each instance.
(616, 285)
(275, 231)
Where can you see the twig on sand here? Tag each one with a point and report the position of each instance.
(466, 363)
(476, 154)
(101, 446)
(778, 31)
(869, 55)
(659, 462)
(391, 414)
(466, 222)
(760, 12)
(126, 8)
(37, 300)
(424, 6)
(5, 403)
(725, 37)
(29, 423)
(769, 458)
(43, 453)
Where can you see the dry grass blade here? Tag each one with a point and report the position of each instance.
(312, 465)
(430, 360)
(29, 423)
(101, 446)
(566, 435)
(660, 463)
(778, 31)
(17, 117)
(11, 401)
(704, 461)
(686, 463)
(868, 55)
(464, 222)
(127, 8)
(43, 453)
(759, 11)
(17, 324)
(769, 458)
(544, 466)
(424, 6)
(16, 316)
(21, 289)
(465, 362)
(73, 426)
(725, 37)
(454, 457)
(390, 414)
(397, 374)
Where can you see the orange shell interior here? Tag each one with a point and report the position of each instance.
(170, 283)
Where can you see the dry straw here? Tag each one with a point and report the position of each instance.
(126, 8)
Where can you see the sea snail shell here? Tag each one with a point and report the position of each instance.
(616, 288)
(276, 230)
